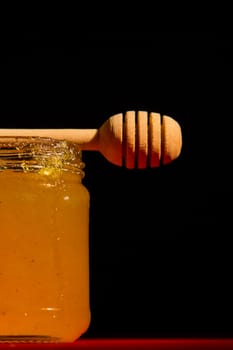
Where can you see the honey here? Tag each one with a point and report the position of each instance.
(44, 242)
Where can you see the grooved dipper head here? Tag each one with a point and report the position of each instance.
(140, 140)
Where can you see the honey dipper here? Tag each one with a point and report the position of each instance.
(135, 139)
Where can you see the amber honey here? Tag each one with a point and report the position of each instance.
(44, 243)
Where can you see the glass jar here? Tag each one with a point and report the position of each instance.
(44, 243)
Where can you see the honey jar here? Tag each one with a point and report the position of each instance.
(44, 233)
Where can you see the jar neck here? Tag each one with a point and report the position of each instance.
(33, 154)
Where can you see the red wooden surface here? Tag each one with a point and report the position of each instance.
(123, 344)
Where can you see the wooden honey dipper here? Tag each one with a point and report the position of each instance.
(135, 140)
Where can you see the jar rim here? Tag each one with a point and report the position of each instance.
(32, 153)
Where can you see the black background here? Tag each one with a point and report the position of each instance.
(160, 239)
